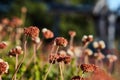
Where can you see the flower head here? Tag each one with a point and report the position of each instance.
(3, 67)
(32, 31)
(47, 33)
(72, 33)
(61, 41)
(3, 45)
(111, 58)
(88, 67)
(99, 45)
(15, 51)
(15, 22)
(88, 52)
(86, 39)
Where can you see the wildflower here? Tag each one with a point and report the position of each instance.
(3, 45)
(102, 44)
(111, 58)
(3, 67)
(88, 52)
(15, 51)
(72, 33)
(67, 59)
(5, 21)
(61, 56)
(15, 22)
(23, 9)
(99, 45)
(60, 41)
(77, 78)
(32, 31)
(99, 56)
(52, 58)
(47, 33)
(88, 67)
(87, 39)
(36, 40)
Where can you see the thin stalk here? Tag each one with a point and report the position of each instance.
(16, 64)
(34, 52)
(25, 43)
(48, 71)
(71, 41)
(50, 64)
(61, 72)
(86, 59)
(0, 77)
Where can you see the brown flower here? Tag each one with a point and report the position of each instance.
(47, 33)
(23, 9)
(3, 67)
(15, 22)
(32, 31)
(61, 41)
(87, 39)
(5, 21)
(15, 51)
(3, 45)
(77, 78)
(67, 59)
(52, 58)
(72, 33)
(88, 67)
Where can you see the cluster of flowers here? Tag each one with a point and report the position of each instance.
(60, 41)
(3, 67)
(99, 45)
(59, 57)
(15, 51)
(3, 45)
(87, 39)
(85, 68)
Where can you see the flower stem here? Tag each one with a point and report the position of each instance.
(20, 61)
(0, 77)
(16, 64)
(61, 73)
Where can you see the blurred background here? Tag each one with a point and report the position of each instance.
(100, 18)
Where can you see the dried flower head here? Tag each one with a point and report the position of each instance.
(52, 58)
(102, 44)
(67, 59)
(5, 21)
(15, 51)
(15, 22)
(88, 52)
(86, 39)
(77, 78)
(88, 67)
(61, 41)
(23, 9)
(95, 44)
(36, 40)
(99, 56)
(111, 58)
(47, 33)
(3, 45)
(32, 31)
(3, 67)
(61, 56)
(72, 33)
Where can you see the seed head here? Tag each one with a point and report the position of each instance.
(3, 67)
(3, 45)
(15, 51)
(60, 41)
(72, 33)
(47, 33)
(32, 31)
(88, 67)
